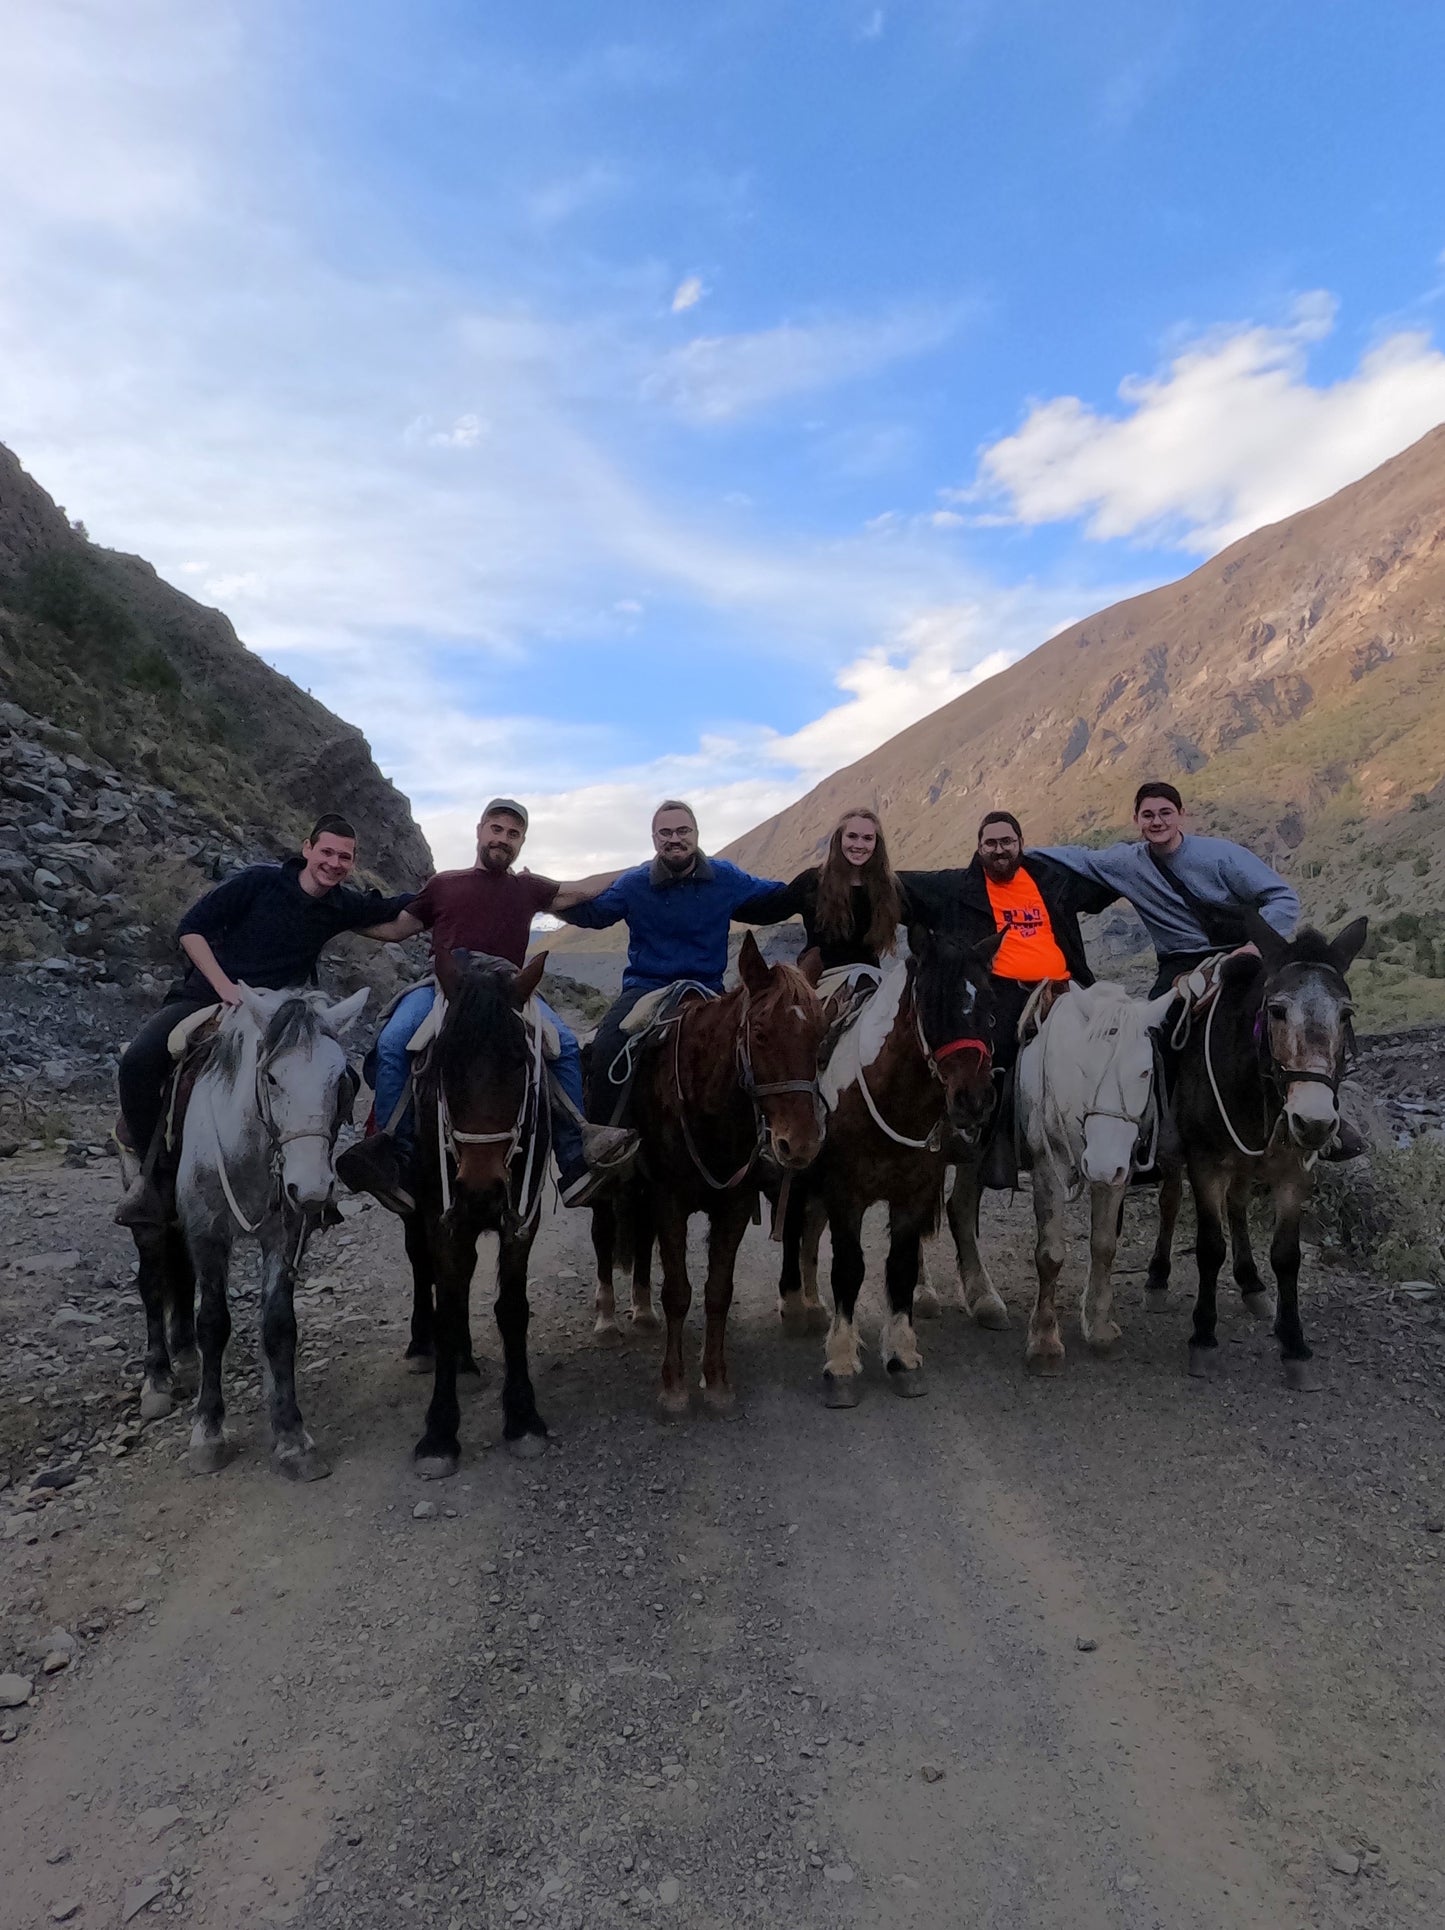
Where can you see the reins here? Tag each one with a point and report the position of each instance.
(449, 1137)
(276, 1142)
(749, 1085)
(1271, 1071)
(1073, 1186)
(931, 1056)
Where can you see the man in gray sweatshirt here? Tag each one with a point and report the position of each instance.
(1190, 892)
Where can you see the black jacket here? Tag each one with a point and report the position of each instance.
(266, 930)
(958, 901)
(799, 899)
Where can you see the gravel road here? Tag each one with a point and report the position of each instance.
(1119, 1650)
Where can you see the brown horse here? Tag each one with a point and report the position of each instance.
(716, 1085)
(924, 1099)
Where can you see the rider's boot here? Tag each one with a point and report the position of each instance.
(607, 1153)
(142, 1203)
(379, 1166)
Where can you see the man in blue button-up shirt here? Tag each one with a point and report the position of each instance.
(677, 910)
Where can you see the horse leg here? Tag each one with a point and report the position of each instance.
(438, 1453)
(1106, 1209)
(211, 1256)
(292, 1448)
(980, 1296)
(815, 1218)
(523, 1428)
(604, 1302)
(644, 1315)
(421, 1348)
(1044, 1349)
(676, 1299)
(899, 1342)
(181, 1307)
(153, 1255)
(790, 1280)
(1210, 1187)
(724, 1236)
(1171, 1192)
(843, 1358)
(1297, 1357)
(1247, 1277)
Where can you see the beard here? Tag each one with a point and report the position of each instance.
(677, 861)
(1002, 870)
(496, 857)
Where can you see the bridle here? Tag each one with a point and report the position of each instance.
(1275, 1077)
(276, 1141)
(932, 1055)
(756, 1092)
(1146, 1119)
(524, 1128)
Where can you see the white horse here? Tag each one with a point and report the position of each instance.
(1089, 1110)
(256, 1157)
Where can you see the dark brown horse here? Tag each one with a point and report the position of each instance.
(1256, 1099)
(483, 1135)
(922, 1100)
(717, 1084)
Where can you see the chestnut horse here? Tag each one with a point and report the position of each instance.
(717, 1084)
(923, 1100)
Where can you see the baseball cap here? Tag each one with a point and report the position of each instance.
(507, 804)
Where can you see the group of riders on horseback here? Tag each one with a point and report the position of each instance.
(999, 936)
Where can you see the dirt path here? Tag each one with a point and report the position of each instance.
(804, 1668)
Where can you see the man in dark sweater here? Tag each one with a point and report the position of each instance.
(265, 927)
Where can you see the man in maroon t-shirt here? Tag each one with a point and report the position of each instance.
(487, 908)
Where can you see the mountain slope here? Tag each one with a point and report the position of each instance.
(1293, 686)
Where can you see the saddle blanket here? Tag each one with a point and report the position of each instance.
(865, 1030)
(655, 1008)
(535, 1018)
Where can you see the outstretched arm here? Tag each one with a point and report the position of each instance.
(581, 891)
(773, 903)
(1258, 884)
(404, 925)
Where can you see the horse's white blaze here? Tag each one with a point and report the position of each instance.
(1108, 1150)
(844, 1356)
(1312, 1111)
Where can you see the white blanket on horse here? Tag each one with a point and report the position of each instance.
(181, 1034)
(532, 1013)
(865, 1037)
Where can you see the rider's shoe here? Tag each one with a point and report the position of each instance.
(606, 1148)
(142, 1203)
(377, 1166)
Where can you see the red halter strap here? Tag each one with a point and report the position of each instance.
(963, 1045)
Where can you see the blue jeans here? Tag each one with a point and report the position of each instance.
(392, 1067)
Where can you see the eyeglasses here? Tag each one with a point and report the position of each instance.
(674, 833)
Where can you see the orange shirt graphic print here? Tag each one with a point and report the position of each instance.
(1029, 949)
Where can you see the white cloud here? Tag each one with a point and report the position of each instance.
(1231, 434)
(714, 378)
(465, 433)
(687, 294)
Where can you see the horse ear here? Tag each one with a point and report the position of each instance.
(752, 967)
(1158, 1009)
(254, 1003)
(1265, 939)
(528, 979)
(447, 965)
(339, 1018)
(920, 938)
(811, 965)
(1347, 945)
(984, 950)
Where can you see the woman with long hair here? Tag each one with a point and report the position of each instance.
(851, 905)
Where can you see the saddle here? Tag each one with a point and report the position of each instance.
(643, 1025)
(189, 1044)
(846, 989)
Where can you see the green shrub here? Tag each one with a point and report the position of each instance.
(1392, 1218)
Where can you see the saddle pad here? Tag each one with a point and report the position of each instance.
(532, 1013)
(653, 1007)
(864, 1039)
(184, 1030)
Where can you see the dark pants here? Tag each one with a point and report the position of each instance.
(602, 1095)
(1010, 996)
(144, 1065)
(1172, 964)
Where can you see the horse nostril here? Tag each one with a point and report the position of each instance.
(293, 1191)
(783, 1147)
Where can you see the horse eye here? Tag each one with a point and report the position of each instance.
(1278, 1009)
(272, 1080)
(1347, 1011)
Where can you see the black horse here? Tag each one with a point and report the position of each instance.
(1256, 1100)
(483, 1132)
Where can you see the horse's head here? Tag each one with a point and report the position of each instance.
(1109, 1050)
(778, 1044)
(953, 997)
(1303, 1027)
(302, 1086)
(482, 1063)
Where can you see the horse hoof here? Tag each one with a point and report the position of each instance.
(1104, 1340)
(185, 1365)
(794, 1316)
(467, 1365)
(909, 1383)
(926, 1304)
(303, 1465)
(1258, 1303)
(435, 1467)
(993, 1314)
(1302, 1376)
(605, 1330)
(1203, 1362)
(419, 1363)
(155, 1402)
(1156, 1283)
(841, 1390)
(209, 1457)
(1050, 1364)
(526, 1447)
(671, 1404)
(816, 1320)
(645, 1321)
(720, 1404)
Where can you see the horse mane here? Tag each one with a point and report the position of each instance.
(1311, 947)
(786, 981)
(1116, 1004)
(296, 1023)
(476, 1020)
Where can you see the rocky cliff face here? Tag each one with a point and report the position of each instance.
(1294, 688)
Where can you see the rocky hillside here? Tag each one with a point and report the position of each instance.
(1294, 687)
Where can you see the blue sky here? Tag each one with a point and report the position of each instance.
(596, 402)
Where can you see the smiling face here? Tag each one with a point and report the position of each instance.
(327, 862)
(674, 838)
(1000, 849)
(1160, 823)
(499, 839)
(858, 840)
